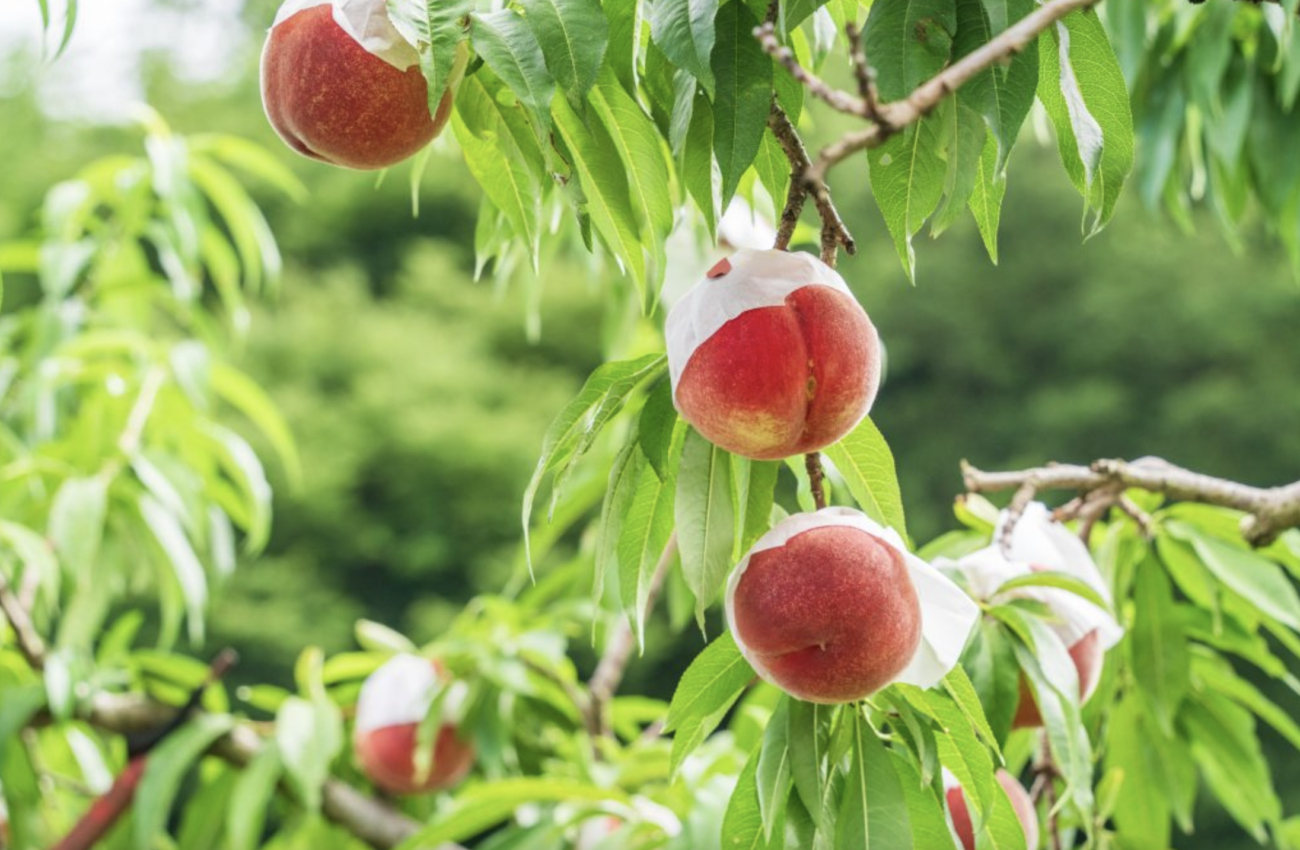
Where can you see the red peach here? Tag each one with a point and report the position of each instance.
(824, 610)
(1087, 656)
(1020, 802)
(771, 355)
(393, 702)
(331, 99)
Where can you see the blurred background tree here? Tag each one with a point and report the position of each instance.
(401, 375)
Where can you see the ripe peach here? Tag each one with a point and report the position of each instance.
(339, 84)
(824, 609)
(771, 356)
(1087, 655)
(1020, 802)
(393, 702)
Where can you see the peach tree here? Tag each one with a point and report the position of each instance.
(1067, 677)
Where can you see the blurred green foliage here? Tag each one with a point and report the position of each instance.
(419, 401)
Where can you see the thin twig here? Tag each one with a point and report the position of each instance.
(862, 71)
(29, 640)
(893, 117)
(835, 233)
(609, 671)
(817, 87)
(816, 478)
(1269, 510)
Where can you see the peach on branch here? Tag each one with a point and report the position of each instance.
(831, 607)
(1040, 544)
(394, 701)
(341, 85)
(771, 355)
(960, 813)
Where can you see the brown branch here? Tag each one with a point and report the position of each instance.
(29, 640)
(816, 478)
(817, 87)
(1269, 510)
(375, 822)
(618, 649)
(890, 118)
(835, 233)
(1045, 774)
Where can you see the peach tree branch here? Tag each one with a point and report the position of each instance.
(609, 671)
(29, 640)
(886, 119)
(371, 820)
(1269, 510)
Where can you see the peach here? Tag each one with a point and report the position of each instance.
(771, 356)
(830, 607)
(1087, 655)
(1020, 802)
(339, 84)
(393, 702)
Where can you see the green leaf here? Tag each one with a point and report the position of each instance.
(240, 463)
(243, 394)
(743, 823)
(707, 689)
(773, 168)
(743, 97)
(697, 167)
(990, 660)
(907, 177)
(380, 638)
(165, 767)
(499, 164)
(773, 776)
(1004, 92)
(185, 566)
(986, 198)
(759, 497)
(705, 519)
(1050, 673)
(605, 190)
(623, 477)
(436, 27)
(909, 41)
(1081, 86)
(576, 427)
(963, 150)
(1255, 578)
(863, 458)
(873, 813)
(1226, 749)
(573, 35)
(1161, 663)
(646, 530)
(624, 40)
(959, 687)
(1220, 676)
(251, 800)
(646, 164)
(929, 825)
(1141, 808)
(796, 12)
(509, 47)
(76, 524)
(655, 427)
(483, 806)
(683, 30)
(808, 743)
(308, 735)
(1062, 581)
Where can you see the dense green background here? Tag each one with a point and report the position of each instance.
(420, 402)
